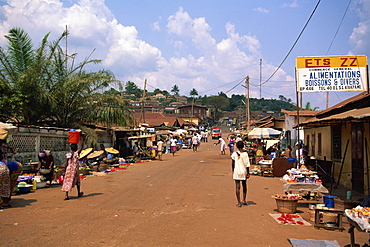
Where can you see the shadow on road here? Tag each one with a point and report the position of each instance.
(20, 202)
(93, 194)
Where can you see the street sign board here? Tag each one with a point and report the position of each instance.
(332, 74)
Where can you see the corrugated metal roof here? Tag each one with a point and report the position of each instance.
(346, 102)
(351, 114)
(303, 113)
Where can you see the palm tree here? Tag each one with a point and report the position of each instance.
(45, 89)
(193, 93)
(21, 69)
(175, 90)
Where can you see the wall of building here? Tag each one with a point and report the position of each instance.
(28, 142)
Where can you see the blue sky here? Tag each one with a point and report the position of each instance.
(209, 45)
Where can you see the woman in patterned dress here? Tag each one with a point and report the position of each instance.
(4, 185)
(72, 175)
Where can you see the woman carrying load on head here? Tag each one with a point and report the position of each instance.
(72, 175)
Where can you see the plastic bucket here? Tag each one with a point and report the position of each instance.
(74, 137)
(329, 201)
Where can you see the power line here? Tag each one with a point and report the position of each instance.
(335, 35)
(340, 24)
(224, 85)
(293, 43)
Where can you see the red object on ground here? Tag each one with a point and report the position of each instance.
(60, 179)
(74, 137)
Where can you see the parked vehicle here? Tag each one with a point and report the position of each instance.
(216, 133)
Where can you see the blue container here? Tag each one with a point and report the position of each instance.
(329, 201)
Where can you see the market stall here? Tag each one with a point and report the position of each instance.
(303, 180)
(358, 218)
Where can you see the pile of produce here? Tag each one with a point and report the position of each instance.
(360, 212)
(288, 196)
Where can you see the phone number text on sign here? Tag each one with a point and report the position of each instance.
(332, 74)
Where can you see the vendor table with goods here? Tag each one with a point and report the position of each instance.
(357, 218)
(265, 167)
(303, 180)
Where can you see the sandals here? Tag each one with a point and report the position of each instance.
(80, 194)
(67, 198)
(245, 203)
(239, 205)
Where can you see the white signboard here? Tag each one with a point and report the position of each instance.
(331, 74)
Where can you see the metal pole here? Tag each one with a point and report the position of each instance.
(248, 106)
(260, 78)
(297, 99)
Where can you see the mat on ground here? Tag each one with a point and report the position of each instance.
(313, 243)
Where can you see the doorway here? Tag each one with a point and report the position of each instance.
(357, 157)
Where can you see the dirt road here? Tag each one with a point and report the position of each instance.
(185, 200)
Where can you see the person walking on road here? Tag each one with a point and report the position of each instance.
(160, 149)
(195, 142)
(223, 145)
(240, 167)
(173, 145)
(72, 176)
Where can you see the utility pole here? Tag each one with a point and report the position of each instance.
(327, 100)
(142, 116)
(66, 46)
(261, 78)
(247, 105)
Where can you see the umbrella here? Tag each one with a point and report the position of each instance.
(85, 152)
(179, 131)
(3, 134)
(112, 150)
(262, 133)
(163, 132)
(8, 127)
(95, 154)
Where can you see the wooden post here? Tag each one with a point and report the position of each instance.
(344, 157)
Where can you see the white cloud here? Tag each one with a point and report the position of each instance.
(294, 4)
(92, 25)
(155, 26)
(360, 36)
(262, 10)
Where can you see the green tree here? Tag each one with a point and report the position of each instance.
(175, 90)
(308, 107)
(132, 88)
(193, 92)
(111, 91)
(44, 89)
(22, 74)
(217, 103)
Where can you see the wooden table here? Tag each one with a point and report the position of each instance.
(338, 221)
(311, 187)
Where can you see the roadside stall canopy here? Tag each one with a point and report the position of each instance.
(6, 129)
(11, 129)
(263, 133)
(270, 143)
(141, 137)
(179, 132)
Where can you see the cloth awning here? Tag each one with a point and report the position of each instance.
(141, 136)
